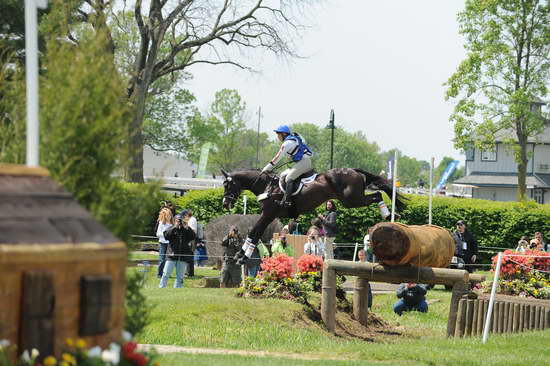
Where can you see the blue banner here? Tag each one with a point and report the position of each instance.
(389, 170)
(447, 173)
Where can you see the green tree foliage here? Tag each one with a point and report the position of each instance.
(507, 67)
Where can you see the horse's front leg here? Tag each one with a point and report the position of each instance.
(250, 243)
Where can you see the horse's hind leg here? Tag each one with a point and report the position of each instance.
(359, 199)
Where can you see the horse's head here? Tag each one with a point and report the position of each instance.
(231, 190)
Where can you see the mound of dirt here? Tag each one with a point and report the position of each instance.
(377, 330)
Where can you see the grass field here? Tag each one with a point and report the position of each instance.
(216, 318)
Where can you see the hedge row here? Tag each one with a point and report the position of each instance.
(495, 224)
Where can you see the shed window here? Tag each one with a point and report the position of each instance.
(489, 155)
(95, 304)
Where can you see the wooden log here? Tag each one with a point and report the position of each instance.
(506, 320)
(461, 318)
(494, 317)
(459, 289)
(510, 318)
(420, 245)
(469, 318)
(515, 318)
(474, 317)
(521, 317)
(361, 300)
(537, 317)
(398, 274)
(541, 320)
(531, 317)
(477, 278)
(485, 309)
(328, 299)
(501, 317)
(480, 308)
(547, 318)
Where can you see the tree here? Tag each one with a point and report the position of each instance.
(507, 68)
(197, 31)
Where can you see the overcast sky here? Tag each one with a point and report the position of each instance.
(379, 64)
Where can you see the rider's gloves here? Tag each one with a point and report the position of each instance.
(267, 168)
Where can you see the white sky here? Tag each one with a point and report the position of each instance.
(379, 64)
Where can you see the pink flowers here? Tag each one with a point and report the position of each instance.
(277, 268)
(310, 263)
(518, 266)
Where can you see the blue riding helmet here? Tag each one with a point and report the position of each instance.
(282, 129)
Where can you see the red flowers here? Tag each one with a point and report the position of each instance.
(519, 266)
(129, 353)
(277, 268)
(310, 263)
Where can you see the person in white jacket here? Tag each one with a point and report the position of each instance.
(165, 222)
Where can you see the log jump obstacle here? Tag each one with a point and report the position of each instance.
(365, 272)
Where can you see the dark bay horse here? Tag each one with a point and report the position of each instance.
(345, 184)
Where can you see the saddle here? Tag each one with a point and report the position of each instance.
(304, 179)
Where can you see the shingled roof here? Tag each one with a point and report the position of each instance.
(34, 209)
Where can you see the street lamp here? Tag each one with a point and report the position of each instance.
(331, 126)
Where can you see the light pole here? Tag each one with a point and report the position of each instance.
(31, 64)
(331, 127)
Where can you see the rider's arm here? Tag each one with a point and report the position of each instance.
(286, 147)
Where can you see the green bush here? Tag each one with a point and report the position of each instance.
(495, 224)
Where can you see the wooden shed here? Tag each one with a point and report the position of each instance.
(62, 273)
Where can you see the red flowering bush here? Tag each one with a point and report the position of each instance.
(277, 268)
(310, 263)
(521, 264)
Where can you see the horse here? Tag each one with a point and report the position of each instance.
(345, 184)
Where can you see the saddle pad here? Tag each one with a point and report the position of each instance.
(303, 181)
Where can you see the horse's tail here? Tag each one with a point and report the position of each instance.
(380, 183)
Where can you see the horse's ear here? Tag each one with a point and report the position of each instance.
(225, 174)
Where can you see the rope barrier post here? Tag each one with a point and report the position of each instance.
(394, 187)
(492, 300)
(431, 192)
(355, 251)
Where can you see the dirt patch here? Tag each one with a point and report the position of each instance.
(377, 330)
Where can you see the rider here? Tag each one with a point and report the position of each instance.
(297, 150)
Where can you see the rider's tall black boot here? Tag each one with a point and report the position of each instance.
(287, 197)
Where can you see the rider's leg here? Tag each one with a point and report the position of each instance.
(298, 169)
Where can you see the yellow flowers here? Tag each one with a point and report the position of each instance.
(69, 342)
(68, 359)
(50, 361)
(80, 343)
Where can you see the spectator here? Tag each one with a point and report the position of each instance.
(231, 271)
(467, 244)
(361, 254)
(164, 222)
(253, 263)
(280, 246)
(179, 251)
(316, 228)
(368, 247)
(187, 216)
(201, 253)
(293, 227)
(314, 246)
(411, 296)
(328, 220)
(538, 243)
(523, 244)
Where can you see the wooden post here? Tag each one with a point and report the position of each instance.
(361, 300)
(501, 317)
(485, 309)
(506, 321)
(515, 318)
(531, 317)
(510, 322)
(537, 317)
(479, 330)
(474, 317)
(547, 318)
(461, 317)
(470, 317)
(459, 289)
(541, 321)
(521, 317)
(328, 299)
(494, 320)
